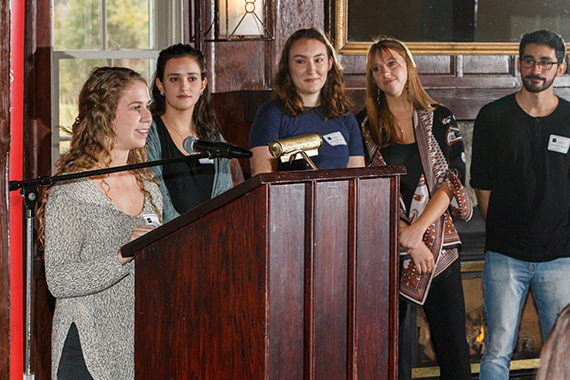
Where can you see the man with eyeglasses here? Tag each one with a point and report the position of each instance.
(520, 171)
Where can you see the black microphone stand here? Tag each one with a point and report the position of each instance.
(29, 191)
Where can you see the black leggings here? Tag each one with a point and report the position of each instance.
(445, 312)
(72, 364)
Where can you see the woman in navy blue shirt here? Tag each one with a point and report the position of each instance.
(309, 98)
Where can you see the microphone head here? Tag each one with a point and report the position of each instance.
(188, 144)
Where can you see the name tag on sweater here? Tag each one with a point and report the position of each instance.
(151, 219)
(559, 144)
(334, 139)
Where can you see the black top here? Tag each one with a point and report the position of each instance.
(409, 156)
(448, 137)
(190, 182)
(524, 162)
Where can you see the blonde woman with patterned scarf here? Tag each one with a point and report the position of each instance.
(402, 125)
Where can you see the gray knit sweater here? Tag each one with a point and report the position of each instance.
(84, 231)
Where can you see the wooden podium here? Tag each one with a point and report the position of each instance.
(287, 276)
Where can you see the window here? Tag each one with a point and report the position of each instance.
(92, 33)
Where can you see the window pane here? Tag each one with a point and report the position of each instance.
(72, 75)
(77, 24)
(141, 66)
(127, 24)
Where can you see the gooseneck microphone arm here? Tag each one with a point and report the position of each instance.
(29, 191)
(47, 180)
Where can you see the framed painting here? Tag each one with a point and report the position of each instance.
(447, 26)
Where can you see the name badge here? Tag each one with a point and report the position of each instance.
(334, 139)
(151, 219)
(206, 161)
(559, 144)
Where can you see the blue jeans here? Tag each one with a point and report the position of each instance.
(505, 285)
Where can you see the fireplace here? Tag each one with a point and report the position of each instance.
(527, 351)
(529, 341)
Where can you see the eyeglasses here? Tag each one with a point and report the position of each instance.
(544, 65)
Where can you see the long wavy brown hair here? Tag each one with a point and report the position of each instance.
(204, 116)
(554, 363)
(334, 101)
(93, 132)
(381, 122)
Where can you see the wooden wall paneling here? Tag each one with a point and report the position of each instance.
(353, 65)
(37, 84)
(357, 98)
(4, 215)
(191, 28)
(475, 82)
(497, 65)
(236, 111)
(42, 309)
(291, 15)
(230, 109)
(37, 161)
(269, 45)
(466, 102)
(232, 65)
(478, 81)
(435, 64)
(238, 65)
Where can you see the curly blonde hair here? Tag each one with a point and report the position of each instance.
(93, 132)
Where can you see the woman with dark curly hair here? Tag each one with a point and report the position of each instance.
(85, 222)
(181, 107)
(309, 98)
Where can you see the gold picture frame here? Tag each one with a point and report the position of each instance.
(346, 47)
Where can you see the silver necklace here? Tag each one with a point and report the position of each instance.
(172, 126)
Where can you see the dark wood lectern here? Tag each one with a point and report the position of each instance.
(286, 276)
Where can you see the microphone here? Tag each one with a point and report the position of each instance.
(191, 144)
(291, 146)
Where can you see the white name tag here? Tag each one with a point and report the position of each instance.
(559, 144)
(206, 161)
(151, 219)
(334, 139)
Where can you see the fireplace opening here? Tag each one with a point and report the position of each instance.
(529, 341)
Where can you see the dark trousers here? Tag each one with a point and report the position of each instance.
(445, 312)
(72, 364)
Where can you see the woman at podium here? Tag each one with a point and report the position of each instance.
(309, 98)
(402, 125)
(85, 222)
(181, 107)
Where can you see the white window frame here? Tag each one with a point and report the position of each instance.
(165, 27)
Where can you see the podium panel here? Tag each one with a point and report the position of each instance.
(286, 276)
